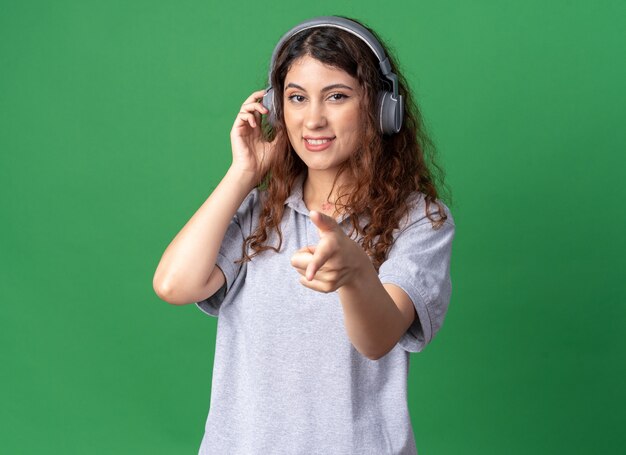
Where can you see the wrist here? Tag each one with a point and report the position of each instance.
(363, 271)
(245, 178)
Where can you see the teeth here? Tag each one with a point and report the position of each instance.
(317, 141)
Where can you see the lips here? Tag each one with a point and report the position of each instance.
(317, 144)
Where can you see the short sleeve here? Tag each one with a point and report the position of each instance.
(419, 263)
(239, 228)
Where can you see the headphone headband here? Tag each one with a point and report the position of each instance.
(348, 26)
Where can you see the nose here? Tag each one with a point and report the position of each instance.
(315, 116)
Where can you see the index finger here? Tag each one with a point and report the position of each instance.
(255, 96)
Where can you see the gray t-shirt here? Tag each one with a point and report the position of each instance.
(286, 378)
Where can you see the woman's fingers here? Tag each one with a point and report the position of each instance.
(253, 103)
(251, 107)
(244, 117)
(251, 112)
(255, 116)
(255, 96)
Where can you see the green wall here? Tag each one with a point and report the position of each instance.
(114, 128)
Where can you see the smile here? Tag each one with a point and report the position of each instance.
(317, 145)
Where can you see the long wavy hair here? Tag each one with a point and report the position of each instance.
(386, 170)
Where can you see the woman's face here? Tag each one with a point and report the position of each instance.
(321, 108)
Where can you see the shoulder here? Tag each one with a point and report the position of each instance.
(248, 212)
(419, 210)
(254, 196)
(420, 238)
(251, 202)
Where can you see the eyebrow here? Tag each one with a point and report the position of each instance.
(325, 89)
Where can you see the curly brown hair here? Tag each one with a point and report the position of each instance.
(386, 169)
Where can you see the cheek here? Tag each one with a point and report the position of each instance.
(291, 121)
(352, 122)
(354, 131)
(288, 127)
(293, 134)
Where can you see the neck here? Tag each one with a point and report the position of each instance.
(316, 191)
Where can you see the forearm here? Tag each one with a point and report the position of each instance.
(190, 258)
(373, 321)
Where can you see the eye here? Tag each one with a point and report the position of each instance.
(296, 98)
(338, 96)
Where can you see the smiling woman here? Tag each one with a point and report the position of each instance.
(322, 113)
(324, 251)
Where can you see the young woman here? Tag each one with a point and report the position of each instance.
(324, 251)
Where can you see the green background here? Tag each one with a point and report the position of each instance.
(114, 128)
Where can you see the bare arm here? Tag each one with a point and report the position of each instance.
(376, 314)
(187, 272)
(184, 272)
(381, 306)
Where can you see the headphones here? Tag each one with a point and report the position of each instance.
(390, 107)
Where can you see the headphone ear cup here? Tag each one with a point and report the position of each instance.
(390, 112)
(268, 102)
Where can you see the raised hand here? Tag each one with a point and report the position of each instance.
(251, 153)
(333, 262)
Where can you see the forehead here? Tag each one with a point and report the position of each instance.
(308, 71)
